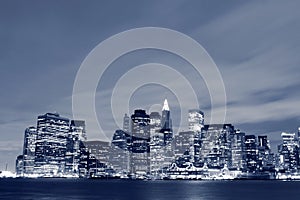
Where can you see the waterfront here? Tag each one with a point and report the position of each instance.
(76, 189)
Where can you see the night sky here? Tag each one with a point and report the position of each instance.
(255, 45)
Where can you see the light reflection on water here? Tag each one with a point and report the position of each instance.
(52, 189)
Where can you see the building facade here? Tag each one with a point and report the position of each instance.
(140, 139)
(52, 133)
(76, 136)
(215, 145)
(29, 149)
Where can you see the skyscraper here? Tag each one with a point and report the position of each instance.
(238, 156)
(195, 120)
(20, 166)
(140, 149)
(265, 157)
(195, 124)
(166, 122)
(167, 130)
(156, 143)
(126, 123)
(76, 136)
(29, 149)
(99, 149)
(215, 141)
(119, 151)
(289, 151)
(52, 133)
(251, 153)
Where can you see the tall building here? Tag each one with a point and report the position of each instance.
(265, 156)
(52, 133)
(166, 122)
(100, 149)
(140, 138)
(20, 166)
(83, 166)
(183, 143)
(76, 136)
(156, 144)
(289, 151)
(29, 149)
(263, 142)
(195, 124)
(215, 145)
(167, 131)
(195, 120)
(119, 151)
(251, 153)
(126, 123)
(238, 156)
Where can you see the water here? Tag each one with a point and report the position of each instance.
(49, 189)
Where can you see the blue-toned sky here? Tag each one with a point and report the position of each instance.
(255, 45)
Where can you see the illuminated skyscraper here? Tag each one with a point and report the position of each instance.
(166, 122)
(156, 143)
(126, 123)
(238, 156)
(119, 154)
(251, 153)
(196, 123)
(140, 139)
(52, 133)
(215, 141)
(289, 151)
(195, 120)
(29, 149)
(76, 136)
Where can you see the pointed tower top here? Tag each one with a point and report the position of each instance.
(166, 105)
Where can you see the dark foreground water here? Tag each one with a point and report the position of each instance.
(43, 189)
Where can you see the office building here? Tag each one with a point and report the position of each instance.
(76, 135)
(156, 144)
(119, 152)
(238, 156)
(215, 145)
(52, 133)
(251, 153)
(140, 149)
(20, 166)
(29, 150)
(289, 151)
(99, 149)
(195, 120)
(126, 123)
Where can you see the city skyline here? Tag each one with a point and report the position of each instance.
(147, 148)
(255, 51)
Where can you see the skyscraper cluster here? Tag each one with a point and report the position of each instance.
(146, 147)
(53, 147)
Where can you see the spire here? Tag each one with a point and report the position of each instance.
(166, 105)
